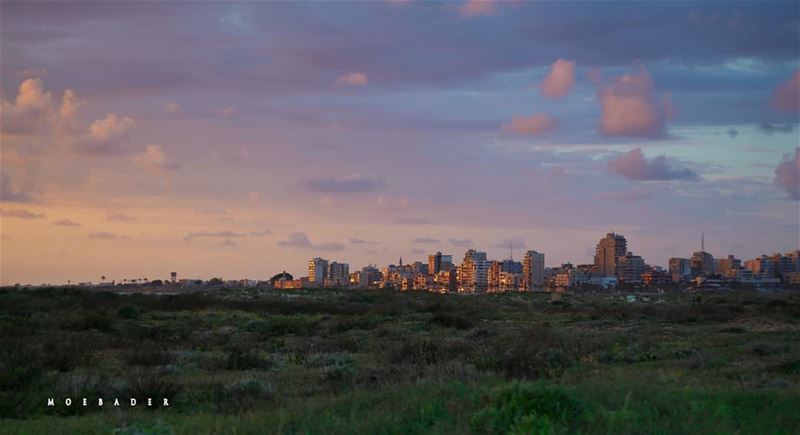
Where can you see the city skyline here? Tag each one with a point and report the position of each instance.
(242, 139)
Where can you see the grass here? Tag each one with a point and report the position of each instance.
(330, 361)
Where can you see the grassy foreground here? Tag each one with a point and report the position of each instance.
(325, 361)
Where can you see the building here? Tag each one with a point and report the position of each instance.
(680, 269)
(370, 276)
(533, 271)
(338, 274)
(446, 281)
(728, 266)
(317, 271)
(473, 272)
(702, 264)
(630, 268)
(607, 253)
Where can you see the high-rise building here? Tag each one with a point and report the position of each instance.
(317, 270)
(338, 274)
(630, 268)
(702, 264)
(369, 277)
(680, 269)
(434, 263)
(473, 272)
(728, 266)
(607, 253)
(533, 270)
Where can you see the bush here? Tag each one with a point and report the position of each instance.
(148, 356)
(246, 392)
(128, 312)
(527, 408)
(153, 385)
(452, 321)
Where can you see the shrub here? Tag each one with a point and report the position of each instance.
(245, 392)
(153, 385)
(240, 358)
(148, 356)
(527, 408)
(128, 312)
(452, 321)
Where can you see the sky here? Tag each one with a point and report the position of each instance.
(238, 140)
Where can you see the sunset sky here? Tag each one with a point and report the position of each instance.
(241, 139)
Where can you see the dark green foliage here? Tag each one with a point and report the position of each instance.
(128, 312)
(527, 408)
(345, 361)
(149, 384)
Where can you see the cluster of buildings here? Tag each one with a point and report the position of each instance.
(767, 270)
(614, 266)
(475, 274)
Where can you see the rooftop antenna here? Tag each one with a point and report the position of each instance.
(702, 242)
(511, 245)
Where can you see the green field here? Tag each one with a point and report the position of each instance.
(329, 361)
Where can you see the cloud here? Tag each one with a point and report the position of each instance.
(66, 223)
(153, 160)
(350, 184)
(357, 241)
(472, 8)
(301, 240)
(425, 240)
(103, 235)
(732, 132)
(260, 233)
(35, 112)
(119, 217)
(461, 242)
(107, 135)
(786, 97)
(212, 234)
(172, 108)
(633, 165)
(538, 123)
(630, 107)
(8, 192)
(770, 128)
(787, 174)
(352, 79)
(20, 213)
(559, 80)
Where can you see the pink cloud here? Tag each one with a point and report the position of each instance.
(630, 107)
(472, 8)
(538, 123)
(559, 80)
(633, 165)
(154, 160)
(787, 95)
(352, 79)
(787, 174)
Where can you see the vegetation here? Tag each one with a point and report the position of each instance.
(330, 361)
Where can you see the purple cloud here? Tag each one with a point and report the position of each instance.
(633, 165)
(350, 184)
(20, 213)
(787, 174)
(66, 223)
